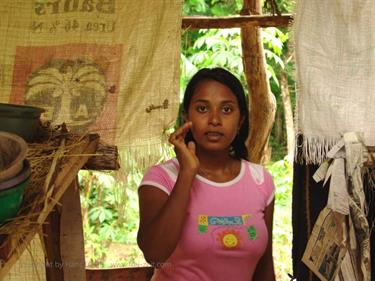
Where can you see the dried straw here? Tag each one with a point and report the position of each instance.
(46, 160)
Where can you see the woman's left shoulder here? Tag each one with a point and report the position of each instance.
(258, 172)
(263, 180)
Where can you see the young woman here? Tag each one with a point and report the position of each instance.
(206, 215)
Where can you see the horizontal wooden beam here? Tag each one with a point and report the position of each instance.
(200, 22)
(106, 158)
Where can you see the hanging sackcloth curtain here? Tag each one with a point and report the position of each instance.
(105, 66)
(335, 70)
(335, 61)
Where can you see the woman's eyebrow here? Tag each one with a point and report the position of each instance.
(207, 101)
(200, 100)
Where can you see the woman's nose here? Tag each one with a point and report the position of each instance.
(215, 118)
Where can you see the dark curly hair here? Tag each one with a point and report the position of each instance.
(233, 83)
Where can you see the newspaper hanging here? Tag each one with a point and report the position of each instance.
(324, 251)
(339, 246)
(105, 66)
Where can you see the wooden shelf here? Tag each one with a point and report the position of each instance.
(74, 153)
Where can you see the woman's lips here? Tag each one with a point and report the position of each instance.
(213, 136)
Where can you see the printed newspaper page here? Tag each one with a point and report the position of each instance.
(324, 252)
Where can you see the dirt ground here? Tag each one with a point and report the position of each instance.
(125, 255)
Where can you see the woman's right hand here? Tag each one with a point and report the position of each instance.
(185, 154)
(158, 209)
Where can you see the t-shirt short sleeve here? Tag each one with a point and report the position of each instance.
(264, 182)
(268, 187)
(159, 177)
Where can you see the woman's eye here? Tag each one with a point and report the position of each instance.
(201, 108)
(227, 109)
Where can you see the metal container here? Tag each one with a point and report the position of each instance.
(13, 151)
(21, 120)
(11, 193)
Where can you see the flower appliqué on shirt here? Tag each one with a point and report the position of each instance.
(229, 239)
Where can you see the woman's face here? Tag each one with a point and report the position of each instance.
(215, 114)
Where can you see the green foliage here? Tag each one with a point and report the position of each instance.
(110, 212)
(222, 47)
(213, 48)
(278, 149)
(212, 7)
(282, 227)
(284, 6)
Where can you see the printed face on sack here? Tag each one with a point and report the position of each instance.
(71, 91)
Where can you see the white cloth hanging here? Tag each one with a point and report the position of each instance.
(335, 62)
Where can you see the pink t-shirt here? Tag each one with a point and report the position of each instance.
(224, 235)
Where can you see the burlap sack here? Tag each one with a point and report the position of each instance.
(106, 66)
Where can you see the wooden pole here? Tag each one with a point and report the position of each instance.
(71, 234)
(262, 102)
(51, 240)
(106, 158)
(198, 22)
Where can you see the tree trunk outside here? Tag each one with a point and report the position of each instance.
(262, 102)
(278, 126)
(288, 115)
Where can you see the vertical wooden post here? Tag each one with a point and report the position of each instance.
(51, 239)
(71, 235)
(262, 102)
(64, 243)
